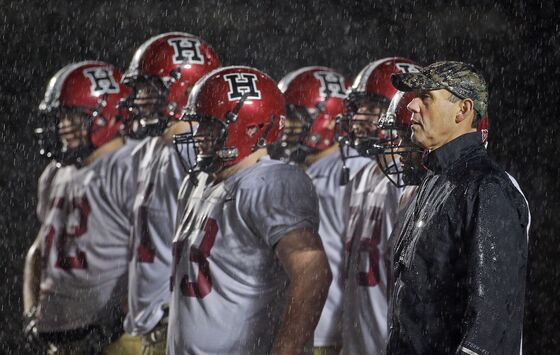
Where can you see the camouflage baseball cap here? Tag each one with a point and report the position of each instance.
(461, 79)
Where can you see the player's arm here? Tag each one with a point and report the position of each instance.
(302, 255)
(32, 276)
(497, 265)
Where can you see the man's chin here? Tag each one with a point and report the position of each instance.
(417, 140)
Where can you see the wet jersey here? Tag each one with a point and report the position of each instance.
(373, 212)
(84, 244)
(160, 175)
(51, 183)
(228, 285)
(326, 176)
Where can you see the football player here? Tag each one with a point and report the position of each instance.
(161, 74)
(287, 147)
(85, 199)
(250, 275)
(318, 93)
(372, 211)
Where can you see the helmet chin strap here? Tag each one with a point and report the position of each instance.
(231, 116)
(345, 176)
(261, 142)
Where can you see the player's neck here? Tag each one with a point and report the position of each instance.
(177, 127)
(324, 153)
(106, 148)
(249, 160)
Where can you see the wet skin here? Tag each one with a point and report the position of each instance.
(72, 130)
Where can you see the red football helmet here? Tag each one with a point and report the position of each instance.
(399, 159)
(320, 92)
(484, 128)
(239, 109)
(90, 91)
(162, 73)
(371, 88)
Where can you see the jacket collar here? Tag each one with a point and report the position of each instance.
(443, 157)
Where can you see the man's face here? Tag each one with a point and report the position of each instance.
(292, 130)
(433, 118)
(147, 101)
(365, 121)
(205, 138)
(72, 129)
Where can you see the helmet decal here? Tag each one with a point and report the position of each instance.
(241, 84)
(407, 67)
(102, 81)
(187, 50)
(332, 84)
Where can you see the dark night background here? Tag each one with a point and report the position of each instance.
(515, 45)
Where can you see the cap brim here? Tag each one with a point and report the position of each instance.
(413, 81)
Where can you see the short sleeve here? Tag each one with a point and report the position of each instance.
(43, 190)
(123, 177)
(279, 202)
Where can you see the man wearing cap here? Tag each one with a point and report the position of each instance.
(460, 257)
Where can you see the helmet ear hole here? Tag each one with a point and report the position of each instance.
(252, 130)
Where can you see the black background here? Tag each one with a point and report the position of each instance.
(513, 43)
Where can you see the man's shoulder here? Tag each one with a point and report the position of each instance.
(271, 176)
(479, 168)
(277, 171)
(120, 159)
(487, 177)
(52, 171)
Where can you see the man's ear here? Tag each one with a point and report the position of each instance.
(466, 110)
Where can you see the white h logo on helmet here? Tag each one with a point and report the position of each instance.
(187, 50)
(102, 81)
(407, 68)
(332, 84)
(241, 84)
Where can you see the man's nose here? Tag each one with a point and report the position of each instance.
(414, 105)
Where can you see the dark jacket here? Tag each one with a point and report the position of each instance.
(460, 259)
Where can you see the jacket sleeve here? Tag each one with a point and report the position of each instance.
(497, 265)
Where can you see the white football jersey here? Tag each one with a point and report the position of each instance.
(160, 175)
(326, 176)
(228, 285)
(51, 179)
(373, 212)
(85, 242)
